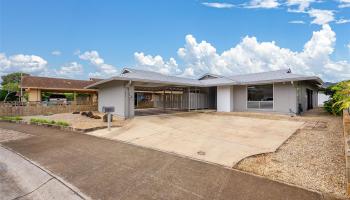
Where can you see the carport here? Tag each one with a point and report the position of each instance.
(171, 99)
(146, 93)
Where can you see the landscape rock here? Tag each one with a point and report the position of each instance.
(96, 117)
(90, 114)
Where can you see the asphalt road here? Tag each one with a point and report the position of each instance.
(104, 169)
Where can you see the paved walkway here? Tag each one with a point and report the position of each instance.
(21, 179)
(104, 169)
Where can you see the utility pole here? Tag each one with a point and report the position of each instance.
(20, 86)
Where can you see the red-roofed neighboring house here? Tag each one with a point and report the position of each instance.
(35, 85)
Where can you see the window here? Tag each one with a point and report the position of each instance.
(260, 96)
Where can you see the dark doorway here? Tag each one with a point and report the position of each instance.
(309, 99)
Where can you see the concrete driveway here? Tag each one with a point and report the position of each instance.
(105, 169)
(210, 137)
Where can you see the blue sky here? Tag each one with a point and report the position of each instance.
(81, 39)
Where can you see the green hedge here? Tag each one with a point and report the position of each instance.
(15, 118)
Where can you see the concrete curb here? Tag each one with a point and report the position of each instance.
(69, 186)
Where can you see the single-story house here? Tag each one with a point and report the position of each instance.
(278, 91)
(34, 86)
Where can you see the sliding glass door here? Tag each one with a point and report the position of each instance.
(260, 97)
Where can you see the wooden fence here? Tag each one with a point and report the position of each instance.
(28, 109)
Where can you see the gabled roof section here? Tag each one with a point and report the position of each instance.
(143, 75)
(209, 76)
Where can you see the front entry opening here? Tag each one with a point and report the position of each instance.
(167, 100)
(309, 99)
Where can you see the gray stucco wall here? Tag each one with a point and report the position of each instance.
(113, 94)
(285, 97)
(240, 98)
(129, 104)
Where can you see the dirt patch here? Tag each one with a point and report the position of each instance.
(313, 157)
(9, 135)
(78, 121)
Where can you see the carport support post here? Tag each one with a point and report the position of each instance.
(163, 99)
(189, 99)
(181, 101)
(171, 99)
(197, 98)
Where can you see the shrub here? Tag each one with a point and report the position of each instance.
(62, 123)
(339, 99)
(15, 118)
(41, 121)
(51, 122)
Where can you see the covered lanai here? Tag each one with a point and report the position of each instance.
(137, 93)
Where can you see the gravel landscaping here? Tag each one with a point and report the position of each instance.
(78, 121)
(313, 157)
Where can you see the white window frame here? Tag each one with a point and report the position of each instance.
(273, 96)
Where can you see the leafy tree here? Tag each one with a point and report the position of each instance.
(10, 85)
(343, 96)
(10, 88)
(340, 97)
(12, 78)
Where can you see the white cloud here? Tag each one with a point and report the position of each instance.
(76, 52)
(344, 4)
(103, 70)
(56, 53)
(321, 16)
(218, 5)
(70, 70)
(301, 4)
(263, 4)
(251, 56)
(156, 63)
(342, 21)
(24, 63)
(296, 22)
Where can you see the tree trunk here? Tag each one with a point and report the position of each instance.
(8, 93)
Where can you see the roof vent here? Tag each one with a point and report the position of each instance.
(125, 71)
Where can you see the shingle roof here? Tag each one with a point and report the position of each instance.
(271, 76)
(55, 83)
(137, 74)
(254, 78)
